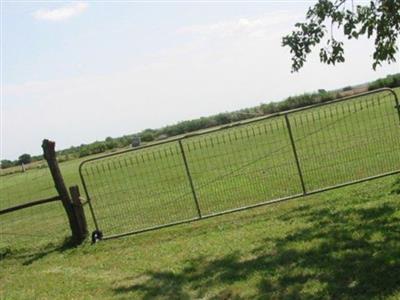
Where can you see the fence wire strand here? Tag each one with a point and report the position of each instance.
(45, 223)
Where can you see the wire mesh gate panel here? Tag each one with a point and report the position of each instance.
(275, 158)
(140, 189)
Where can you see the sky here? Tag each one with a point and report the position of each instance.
(76, 72)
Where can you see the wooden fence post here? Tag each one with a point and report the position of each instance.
(49, 154)
(79, 212)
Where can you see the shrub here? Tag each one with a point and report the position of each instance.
(147, 136)
(83, 151)
(24, 159)
(347, 88)
(390, 81)
(5, 163)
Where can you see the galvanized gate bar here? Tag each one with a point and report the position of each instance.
(396, 100)
(190, 178)
(295, 154)
(88, 199)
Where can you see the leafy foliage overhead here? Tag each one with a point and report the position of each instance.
(379, 19)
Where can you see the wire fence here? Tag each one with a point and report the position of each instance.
(42, 224)
(21, 187)
(275, 158)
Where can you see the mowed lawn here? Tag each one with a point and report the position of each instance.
(339, 244)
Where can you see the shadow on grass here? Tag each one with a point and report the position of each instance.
(339, 254)
(29, 256)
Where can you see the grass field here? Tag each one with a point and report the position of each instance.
(339, 244)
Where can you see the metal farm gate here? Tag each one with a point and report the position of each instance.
(262, 161)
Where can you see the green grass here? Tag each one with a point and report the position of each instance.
(40, 224)
(340, 244)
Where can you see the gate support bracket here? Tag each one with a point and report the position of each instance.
(97, 235)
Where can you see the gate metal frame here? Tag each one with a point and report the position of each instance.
(97, 234)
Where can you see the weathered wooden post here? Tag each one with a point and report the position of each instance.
(49, 154)
(78, 211)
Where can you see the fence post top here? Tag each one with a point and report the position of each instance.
(48, 149)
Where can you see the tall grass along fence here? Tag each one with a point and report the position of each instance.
(275, 158)
(52, 210)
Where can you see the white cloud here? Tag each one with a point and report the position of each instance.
(253, 27)
(62, 13)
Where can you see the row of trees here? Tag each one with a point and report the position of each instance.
(22, 159)
(263, 109)
(391, 81)
(148, 135)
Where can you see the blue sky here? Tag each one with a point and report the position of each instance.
(77, 72)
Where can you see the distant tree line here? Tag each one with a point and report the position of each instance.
(149, 135)
(22, 159)
(391, 81)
